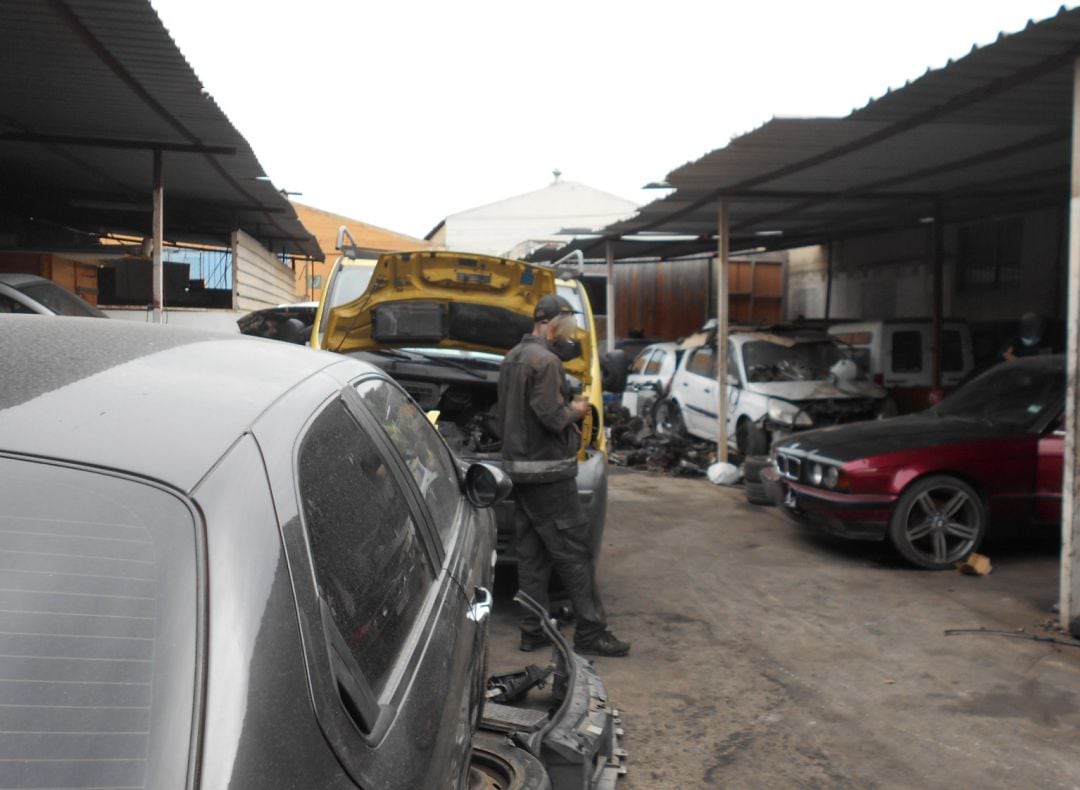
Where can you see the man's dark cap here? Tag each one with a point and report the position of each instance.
(550, 306)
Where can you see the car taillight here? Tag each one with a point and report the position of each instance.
(879, 379)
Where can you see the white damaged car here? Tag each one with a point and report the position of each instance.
(779, 381)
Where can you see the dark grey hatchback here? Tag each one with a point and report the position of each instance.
(230, 563)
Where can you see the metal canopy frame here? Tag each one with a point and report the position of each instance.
(985, 134)
(100, 110)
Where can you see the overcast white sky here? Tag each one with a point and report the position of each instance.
(401, 112)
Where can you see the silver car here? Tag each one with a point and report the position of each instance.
(28, 293)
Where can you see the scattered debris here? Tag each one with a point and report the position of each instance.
(724, 474)
(890, 682)
(511, 687)
(975, 565)
(634, 443)
(1020, 633)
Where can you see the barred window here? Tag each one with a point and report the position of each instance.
(990, 254)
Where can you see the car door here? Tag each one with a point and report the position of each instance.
(465, 535)
(386, 624)
(699, 392)
(1049, 472)
(907, 366)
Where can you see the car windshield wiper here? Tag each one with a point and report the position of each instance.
(389, 352)
(450, 363)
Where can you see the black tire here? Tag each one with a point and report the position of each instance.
(938, 521)
(750, 439)
(667, 417)
(498, 765)
(755, 489)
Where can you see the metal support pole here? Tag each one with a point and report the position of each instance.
(937, 287)
(722, 329)
(828, 278)
(609, 256)
(1070, 492)
(157, 299)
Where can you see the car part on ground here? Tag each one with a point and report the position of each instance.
(755, 489)
(578, 741)
(668, 419)
(498, 764)
(510, 687)
(635, 443)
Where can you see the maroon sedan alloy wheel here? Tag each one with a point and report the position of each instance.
(938, 522)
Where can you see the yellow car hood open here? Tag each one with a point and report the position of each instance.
(446, 300)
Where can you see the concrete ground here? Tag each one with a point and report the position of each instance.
(766, 655)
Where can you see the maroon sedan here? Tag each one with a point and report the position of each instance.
(932, 482)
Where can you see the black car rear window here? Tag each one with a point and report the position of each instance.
(371, 565)
(97, 630)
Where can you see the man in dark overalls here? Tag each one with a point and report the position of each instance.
(539, 450)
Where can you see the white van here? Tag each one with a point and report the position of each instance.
(898, 355)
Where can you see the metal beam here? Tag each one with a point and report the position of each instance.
(116, 142)
(722, 250)
(609, 255)
(937, 281)
(828, 277)
(1070, 492)
(865, 191)
(157, 299)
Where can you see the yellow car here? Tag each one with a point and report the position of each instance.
(440, 322)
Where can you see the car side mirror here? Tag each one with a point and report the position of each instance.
(613, 370)
(486, 485)
(732, 379)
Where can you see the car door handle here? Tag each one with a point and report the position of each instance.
(481, 605)
(708, 390)
(686, 384)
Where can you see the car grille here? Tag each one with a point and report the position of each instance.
(789, 466)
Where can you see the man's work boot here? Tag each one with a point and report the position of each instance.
(603, 644)
(531, 642)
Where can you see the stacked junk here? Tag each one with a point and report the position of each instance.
(635, 443)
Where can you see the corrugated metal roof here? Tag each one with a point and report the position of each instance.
(107, 72)
(988, 133)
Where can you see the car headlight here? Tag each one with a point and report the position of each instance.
(788, 414)
(831, 477)
(816, 474)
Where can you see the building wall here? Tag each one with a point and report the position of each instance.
(223, 321)
(323, 225)
(261, 279)
(889, 276)
(671, 299)
(498, 228)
